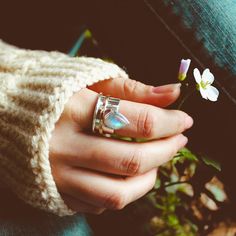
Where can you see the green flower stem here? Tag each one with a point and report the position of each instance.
(185, 98)
(177, 182)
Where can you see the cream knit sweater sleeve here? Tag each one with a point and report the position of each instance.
(34, 88)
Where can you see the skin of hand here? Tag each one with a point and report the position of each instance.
(95, 173)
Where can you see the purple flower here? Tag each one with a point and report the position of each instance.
(183, 69)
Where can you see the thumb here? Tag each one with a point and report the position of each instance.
(135, 91)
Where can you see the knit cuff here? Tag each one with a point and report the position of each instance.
(34, 88)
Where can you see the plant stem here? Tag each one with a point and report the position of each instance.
(185, 98)
(178, 182)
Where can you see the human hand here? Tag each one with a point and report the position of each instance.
(95, 173)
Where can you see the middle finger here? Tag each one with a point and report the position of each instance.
(146, 121)
(150, 122)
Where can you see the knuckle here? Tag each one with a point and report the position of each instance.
(130, 86)
(153, 181)
(173, 149)
(133, 163)
(73, 113)
(180, 121)
(115, 201)
(73, 110)
(152, 185)
(145, 123)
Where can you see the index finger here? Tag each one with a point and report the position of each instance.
(132, 90)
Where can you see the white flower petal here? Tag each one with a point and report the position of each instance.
(212, 93)
(197, 75)
(207, 76)
(203, 93)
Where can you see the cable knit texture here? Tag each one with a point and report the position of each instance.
(34, 88)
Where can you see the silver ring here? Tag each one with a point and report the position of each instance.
(107, 118)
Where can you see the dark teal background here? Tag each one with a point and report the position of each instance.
(19, 219)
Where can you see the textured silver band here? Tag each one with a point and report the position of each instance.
(107, 111)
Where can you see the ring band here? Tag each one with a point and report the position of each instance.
(107, 118)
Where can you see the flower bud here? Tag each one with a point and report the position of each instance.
(183, 69)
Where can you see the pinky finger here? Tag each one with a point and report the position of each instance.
(81, 206)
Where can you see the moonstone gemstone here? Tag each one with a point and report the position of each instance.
(115, 120)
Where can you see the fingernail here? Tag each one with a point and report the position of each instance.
(166, 88)
(183, 140)
(188, 122)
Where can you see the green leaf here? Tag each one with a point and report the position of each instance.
(188, 154)
(159, 206)
(157, 184)
(218, 193)
(172, 219)
(211, 162)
